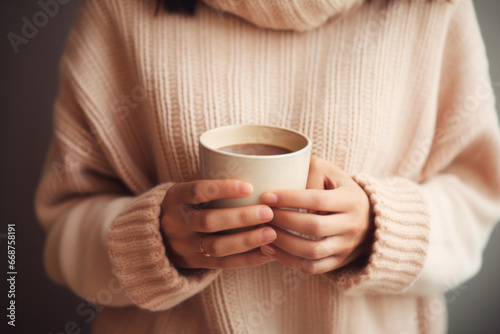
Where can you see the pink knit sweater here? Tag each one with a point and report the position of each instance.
(399, 97)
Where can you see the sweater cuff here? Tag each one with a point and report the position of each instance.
(139, 260)
(400, 240)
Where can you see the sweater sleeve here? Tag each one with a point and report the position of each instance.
(139, 259)
(430, 232)
(100, 210)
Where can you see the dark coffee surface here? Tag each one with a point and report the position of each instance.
(255, 149)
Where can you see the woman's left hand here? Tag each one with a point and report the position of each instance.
(338, 213)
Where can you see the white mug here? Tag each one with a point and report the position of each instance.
(264, 172)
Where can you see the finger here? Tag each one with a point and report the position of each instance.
(248, 259)
(315, 179)
(325, 175)
(308, 249)
(305, 265)
(201, 191)
(315, 182)
(216, 220)
(309, 223)
(334, 200)
(225, 245)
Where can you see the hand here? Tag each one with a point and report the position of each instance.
(338, 213)
(187, 226)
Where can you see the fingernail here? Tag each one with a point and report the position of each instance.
(245, 188)
(267, 234)
(268, 250)
(270, 198)
(265, 214)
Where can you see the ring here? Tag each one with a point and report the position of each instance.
(204, 252)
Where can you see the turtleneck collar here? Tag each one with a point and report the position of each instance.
(299, 15)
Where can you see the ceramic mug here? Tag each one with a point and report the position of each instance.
(264, 172)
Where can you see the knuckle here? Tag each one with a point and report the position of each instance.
(215, 249)
(320, 200)
(243, 217)
(250, 243)
(351, 206)
(316, 226)
(359, 195)
(316, 252)
(357, 199)
(353, 229)
(308, 267)
(226, 184)
(357, 229)
(207, 222)
(198, 191)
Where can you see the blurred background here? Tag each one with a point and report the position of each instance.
(28, 87)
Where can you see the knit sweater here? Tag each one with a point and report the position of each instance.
(398, 96)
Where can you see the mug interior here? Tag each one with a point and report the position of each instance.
(218, 138)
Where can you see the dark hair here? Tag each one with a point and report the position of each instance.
(177, 6)
(189, 6)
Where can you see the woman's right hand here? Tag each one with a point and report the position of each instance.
(188, 227)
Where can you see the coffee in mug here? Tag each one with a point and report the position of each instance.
(255, 149)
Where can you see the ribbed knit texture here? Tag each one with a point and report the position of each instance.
(400, 240)
(398, 97)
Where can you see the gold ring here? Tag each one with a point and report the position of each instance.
(204, 252)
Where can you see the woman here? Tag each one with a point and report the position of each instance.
(404, 189)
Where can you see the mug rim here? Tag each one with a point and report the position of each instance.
(202, 141)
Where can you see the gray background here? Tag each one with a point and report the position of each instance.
(28, 87)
